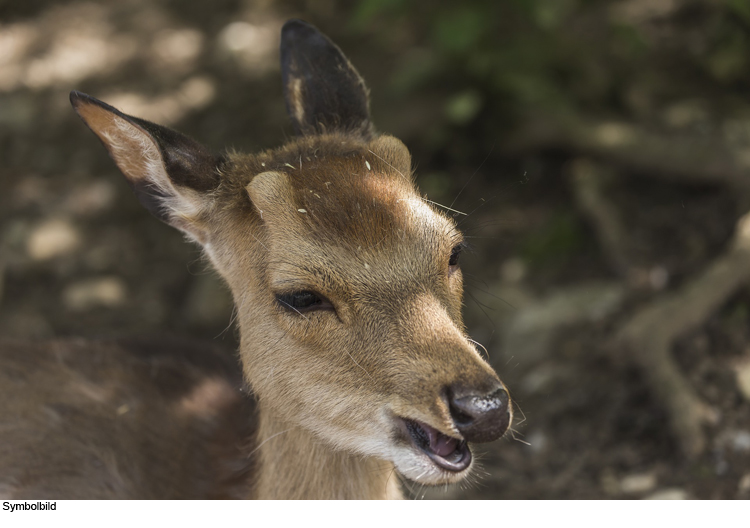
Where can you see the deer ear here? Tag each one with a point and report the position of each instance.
(323, 91)
(170, 173)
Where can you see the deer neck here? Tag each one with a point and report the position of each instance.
(295, 465)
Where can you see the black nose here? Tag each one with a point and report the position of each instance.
(480, 417)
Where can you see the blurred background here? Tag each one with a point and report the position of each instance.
(598, 151)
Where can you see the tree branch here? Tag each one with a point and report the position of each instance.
(649, 334)
(688, 158)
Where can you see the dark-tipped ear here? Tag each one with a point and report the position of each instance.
(170, 173)
(323, 91)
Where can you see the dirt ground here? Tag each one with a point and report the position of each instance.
(79, 256)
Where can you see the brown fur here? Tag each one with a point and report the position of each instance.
(335, 212)
(122, 420)
(371, 245)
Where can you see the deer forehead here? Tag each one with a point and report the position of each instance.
(394, 271)
(366, 212)
(391, 272)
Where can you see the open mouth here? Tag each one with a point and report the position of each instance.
(446, 452)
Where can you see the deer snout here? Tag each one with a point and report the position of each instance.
(480, 416)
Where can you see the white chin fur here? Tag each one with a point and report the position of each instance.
(409, 460)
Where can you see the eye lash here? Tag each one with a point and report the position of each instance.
(455, 254)
(303, 301)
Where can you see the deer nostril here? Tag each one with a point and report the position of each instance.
(480, 417)
(460, 418)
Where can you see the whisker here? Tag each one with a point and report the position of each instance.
(509, 305)
(233, 317)
(386, 162)
(521, 411)
(484, 202)
(472, 176)
(482, 307)
(444, 207)
(360, 366)
(480, 345)
(513, 436)
(267, 439)
(293, 308)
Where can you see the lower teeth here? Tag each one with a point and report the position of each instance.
(456, 455)
(418, 433)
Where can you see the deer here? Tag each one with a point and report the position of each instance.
(348, 296)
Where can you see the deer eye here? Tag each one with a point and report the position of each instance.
(455, 253)
(303, 301)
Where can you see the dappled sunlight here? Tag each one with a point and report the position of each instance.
(614, 134)
(75, 56)
(207, 398)
(599, 150)
(53, 238)
(100, 292)
(167, 108)
(177, 49)
(15, 41)
(68, 45)
(743, 232)
(254, 47)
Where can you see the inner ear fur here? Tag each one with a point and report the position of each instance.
(170, 173)
(271, 194)
(322, 90)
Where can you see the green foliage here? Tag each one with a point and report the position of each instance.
(415, 70)
(459, 30)
(551, 14)
(463, 107)
(728, 52)
(741, 8)
(366, 10)
(513, 60)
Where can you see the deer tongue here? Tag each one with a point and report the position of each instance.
(431, 439)
(449, 453)
(440, 444)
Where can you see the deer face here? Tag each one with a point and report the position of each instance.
(353, 329)
(347, 283)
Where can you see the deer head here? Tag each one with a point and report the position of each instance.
(346, 281)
